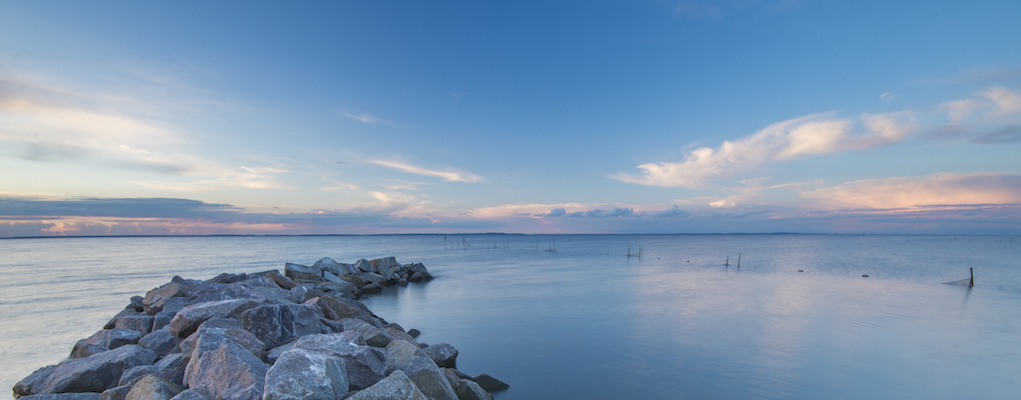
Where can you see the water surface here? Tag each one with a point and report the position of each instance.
(588, 321)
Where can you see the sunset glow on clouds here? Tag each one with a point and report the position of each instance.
(628, 118)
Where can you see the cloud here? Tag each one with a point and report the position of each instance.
(367, 118)
(810, 135)
(672, 212)
(47, 123)
(448, 176)
(945, 189)
(820, 134)
(1010, 134)
(888, 96)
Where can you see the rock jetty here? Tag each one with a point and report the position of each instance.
(298, 335)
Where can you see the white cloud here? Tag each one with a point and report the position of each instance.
(367, 118)
(1007, 102)
(448, 175)
(915, 191)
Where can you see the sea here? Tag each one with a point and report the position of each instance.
(779, 316)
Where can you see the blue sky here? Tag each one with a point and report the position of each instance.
(532, 117)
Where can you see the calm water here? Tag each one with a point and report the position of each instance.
(589, 322)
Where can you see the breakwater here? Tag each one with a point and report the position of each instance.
(266, 335)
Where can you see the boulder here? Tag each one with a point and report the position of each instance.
(490, 384)
(330, 277)
(282, 281)
(275, 325)
(396, 333)
(303, 272)
(160, 342)
(417, 267)
(348, 269)
(420, 276)
(170, 308)
(113, 321)
(444, 355)
(81, 349)
(115, 393)
(273, 355)
(342, 308)
(385, 262)
(227, 278)
(302, 293)
(189, 318)
(151, 387)
(194, 394)
(110, 339)
(328, 265)
(141, 323)
(171, 368)
(230, 372)
(364, 364)
(65, 396)
(414, 332)
(363, 265)
(210, 339)
(31, 383)
(373, 336)
(303, 374)
(468, 390)
(396, 386)
(133, 374)
(153, 301)
(95, 373)
(404, 356)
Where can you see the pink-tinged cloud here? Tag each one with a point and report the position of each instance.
(946, 189)
(783, 141)
(447, 175)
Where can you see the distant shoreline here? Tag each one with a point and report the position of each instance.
(501, 234)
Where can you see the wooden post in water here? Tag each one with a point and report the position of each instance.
(971, 271)
(739, 260)
(727, 264)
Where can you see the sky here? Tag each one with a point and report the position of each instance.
(813, 116)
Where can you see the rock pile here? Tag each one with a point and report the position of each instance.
(298, 335)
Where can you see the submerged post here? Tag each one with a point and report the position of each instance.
(971, 283)
(727, 264)
(739, 260)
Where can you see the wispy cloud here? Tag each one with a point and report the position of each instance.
(810, 135)
(46, 123)
(825, 133)
(944, 189)
(366, 118)
(447, 175)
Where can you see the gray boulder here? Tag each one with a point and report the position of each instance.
(170, 308)
(444, 355)
(490, 384)
(210, 339)
(171, 368)
(115, 393)
(153, 301)
(95, 373)
(141, 323)
(396, 386)
(468, 390)
(404, 356)
(230, 372)
(363, 265)
(282, 281)
(328, 265)
(113, 321)
(109, 339)
(302, 272)
(151, 387)
(194, 394)
(160, 342)
(133, 374)
(373, 336)
(342, 308)
(31, 383)
(189, 318)
(274, 354)
(82, 349)
(275, 325)
(364, 364)
(396, 333)
(302, 374)
(64, 396)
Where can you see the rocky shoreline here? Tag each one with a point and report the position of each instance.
(302, 334)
